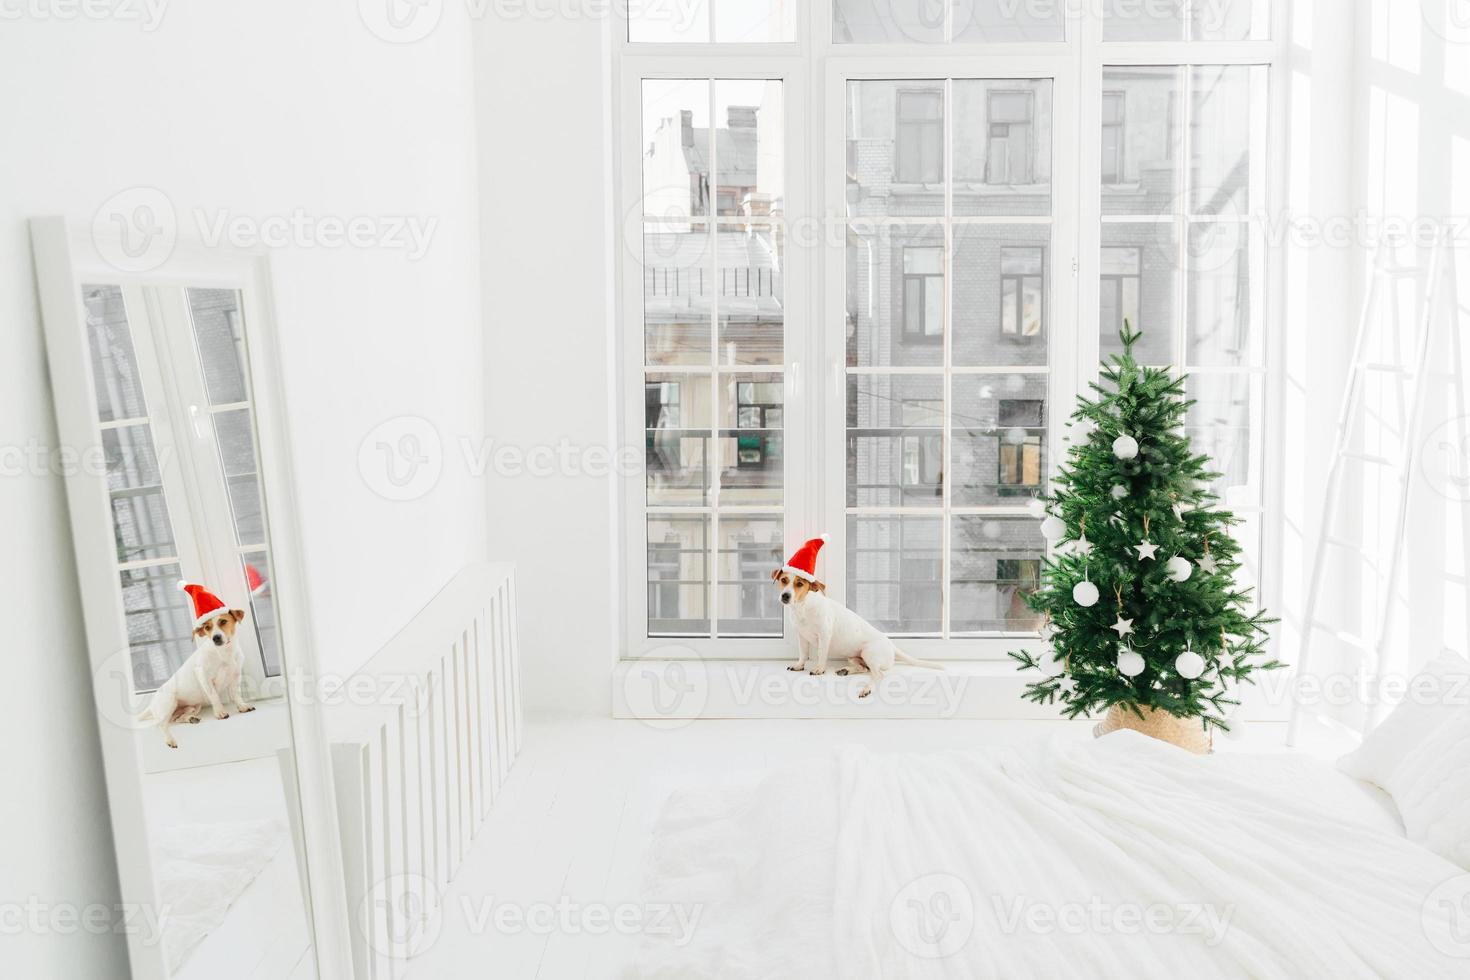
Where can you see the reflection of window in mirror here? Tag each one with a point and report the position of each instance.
(178, 431)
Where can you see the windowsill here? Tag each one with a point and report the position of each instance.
(213, 741)
(673, 693)
(668, 693)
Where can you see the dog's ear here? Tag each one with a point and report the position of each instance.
(776, 574)
(238, 614)
(819, 587)
(201, 630)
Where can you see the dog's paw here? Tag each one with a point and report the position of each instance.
(222, 715)
(795, 667)
(864, 693)
(172, 744)
(817, 671)
(194, 719)
(248, 707)
(842, 672)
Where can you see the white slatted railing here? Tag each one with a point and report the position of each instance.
(419, 753)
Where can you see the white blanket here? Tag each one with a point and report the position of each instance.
(201, 868)
(1122, 857)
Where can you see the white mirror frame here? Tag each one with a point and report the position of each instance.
(65, 257)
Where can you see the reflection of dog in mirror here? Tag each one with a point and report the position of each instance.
(211, 674)
(825, 627)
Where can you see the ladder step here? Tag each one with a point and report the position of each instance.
(1369, 458)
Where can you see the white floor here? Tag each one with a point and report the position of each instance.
(569, 833)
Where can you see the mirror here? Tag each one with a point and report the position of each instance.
(178, 547)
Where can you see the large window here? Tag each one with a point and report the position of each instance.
(1182, 251)
(713, 316)
(939, 456)
(874, 251)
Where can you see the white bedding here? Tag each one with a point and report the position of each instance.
(1121, 857)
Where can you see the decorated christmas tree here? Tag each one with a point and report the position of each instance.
(1142, 614)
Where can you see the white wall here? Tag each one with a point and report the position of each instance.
(261, 108)
(549, 372)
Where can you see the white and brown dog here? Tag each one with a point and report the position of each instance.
(825, 628)
(211, 674)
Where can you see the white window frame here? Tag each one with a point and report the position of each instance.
(814, 72)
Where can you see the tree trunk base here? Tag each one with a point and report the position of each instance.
(1187, 733)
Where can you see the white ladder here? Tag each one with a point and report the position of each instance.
(1439, 289)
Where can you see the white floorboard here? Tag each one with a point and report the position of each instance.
(572, 825)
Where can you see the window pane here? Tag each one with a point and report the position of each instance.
(686, 21)
(754, 20)
(1008, 20)
(750, 279)
(895, 148)
(676, 141)
(998, 424)
(140, 518)
(750, 439)
(219, 334)
(678, 292)
(750, 548)
(1002, 146)
(895, 277)
(1219, 425)
(1136, 20)
(895, 440)
(902, 21)
(256, 566)
(678, 594)
(893, 571)
(1219, 294)
(1142, 142)
(1230, 20)
(160, 623)
(749, 149)
(1223, 98)
(677, 419)
(1143, 286)
(114, 368)
(236, 439)
(1000, 295)
(995, 563)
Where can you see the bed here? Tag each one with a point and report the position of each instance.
(1119, 857)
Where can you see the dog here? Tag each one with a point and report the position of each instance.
(211, 676)
(826, 628)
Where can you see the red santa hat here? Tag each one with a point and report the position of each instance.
(804, 562)
(207, 605)
(253, 580)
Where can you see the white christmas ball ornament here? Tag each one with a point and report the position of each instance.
(1130, 662)
(1125, 447)
(1189, 665)
(1053, 528)
(1084, 593)
(1036, 507)
(1178, 568)
(1118, 491)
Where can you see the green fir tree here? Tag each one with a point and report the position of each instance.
(1139, 600)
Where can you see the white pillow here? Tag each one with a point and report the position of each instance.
(1421, 756)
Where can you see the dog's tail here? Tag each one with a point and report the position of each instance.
(904, 658)
(145, 715)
